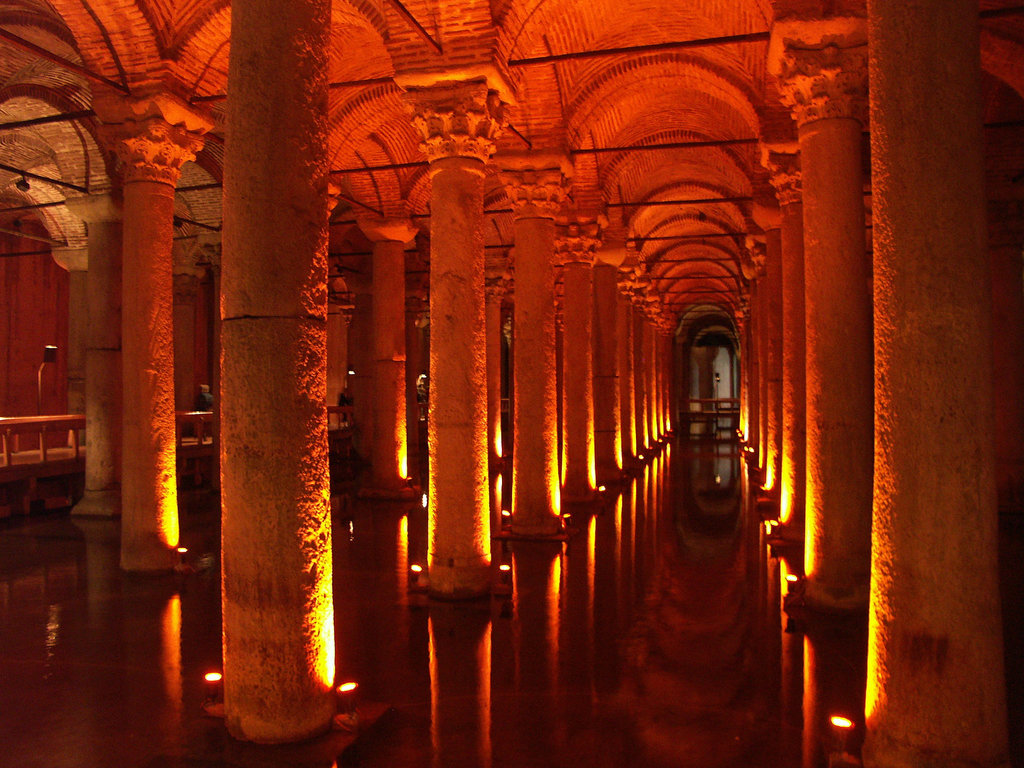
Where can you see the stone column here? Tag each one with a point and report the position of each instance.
(102, 216)
(1008, 374)
(769, 253)
(576, 250)
(278, 606)
(607, 411)
(496, 285)
(76, 262)
(640, 361)
(751, 268)
(388, 450)
(458, 122)
(415, 320)
(153, 136)
(743, 332)
(360, 359)
(785, 177)
(339, 315)
(536, 185)
(186, 295)
(822, 69)
(624, 365)
(936, 687)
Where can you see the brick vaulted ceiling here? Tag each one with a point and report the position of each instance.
(653, 94)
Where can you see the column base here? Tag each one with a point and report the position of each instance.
(387, 494)
(825, 598)
(105, 503)
(882, 752)
(451, 581)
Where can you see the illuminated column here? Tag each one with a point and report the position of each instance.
(743, 327)
(607, 413)
(153, 136)
(102, 216)
(822, 69)
(339, 315)
(536, 185)
(415, 319)
(769, 254)
(624, 364)
(76, 262)
(752, 359)
(785, 177)
(640, 358)
(576, 250)
(495, 287)
(1008, 373)
(458, 122)
(758, 255)
(360, 357)
(935, 693)
(278, 605)
(186, 294)
(387, 450)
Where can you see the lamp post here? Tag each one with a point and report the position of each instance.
(49, 356)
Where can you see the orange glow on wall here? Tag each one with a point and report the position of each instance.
(167, 511)
(769, 477)
(785, 503)
(403, 461)
(498, 442)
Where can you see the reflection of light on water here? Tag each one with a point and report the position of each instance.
(402, 559)
(170, 630)
(52, 632)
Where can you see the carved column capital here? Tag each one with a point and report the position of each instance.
(822, 68)
(784, 174)
(756, 256)
(71, 259)
(536, 184)
(497, 287)
(186, 288)
(456, 119)
(388, 229)
(577, 243)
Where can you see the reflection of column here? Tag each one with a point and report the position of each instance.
(152, 149)
(458, 122)
(823, 74)
(785, 170)
(624, 366)
(278, 606)
(576, 251)
(388, 453)
(76, 262)
(936, 690)
(102, 356)
(536, 185)
(607, 414)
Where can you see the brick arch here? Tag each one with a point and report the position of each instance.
(727, 215)
(118, 42)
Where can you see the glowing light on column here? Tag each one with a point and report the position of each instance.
(769, 476)
(402, 557)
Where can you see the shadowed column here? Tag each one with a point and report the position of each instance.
(103, 393)
(607, 413)
(821, 66)
(936, 689)
(278, 606)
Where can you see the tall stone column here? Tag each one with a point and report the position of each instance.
(935, 692)
(607, 411)
(758, 254)
(388, 449)
(276, 570)
(360, 358)
(153, 136)
(495, 287)
(785, 177)
(624, 366)
(1008, 373)
(536, 185)
(822, 69)
(76, 262)
(752, 358)
(458, 122)
(102, 215)
(770, 296)
(576, 251)
(743, 329)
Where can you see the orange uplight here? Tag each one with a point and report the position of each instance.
(415, 568)
(403, 463)
(792, 578)
(506, 513)
(346, 687)
(213, 677)
(505, 567)
(601, 488)
(841, 722)
(424, 501)
(182, 550)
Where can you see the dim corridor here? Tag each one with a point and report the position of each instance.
(653, 637)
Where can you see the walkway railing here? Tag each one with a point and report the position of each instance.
(709, 416)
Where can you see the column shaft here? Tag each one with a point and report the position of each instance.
(494, 297)
(1008, 374)
(774, 330)
(935, 693)
(794, 393)
(278, 607)
(624, 364)
(640, 361)
(607, 414)
(579, 481)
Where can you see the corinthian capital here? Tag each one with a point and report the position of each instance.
(536, 184)
(577, 243)
(152, 134)
(784, 174)
(822, 68)
(460, 119)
